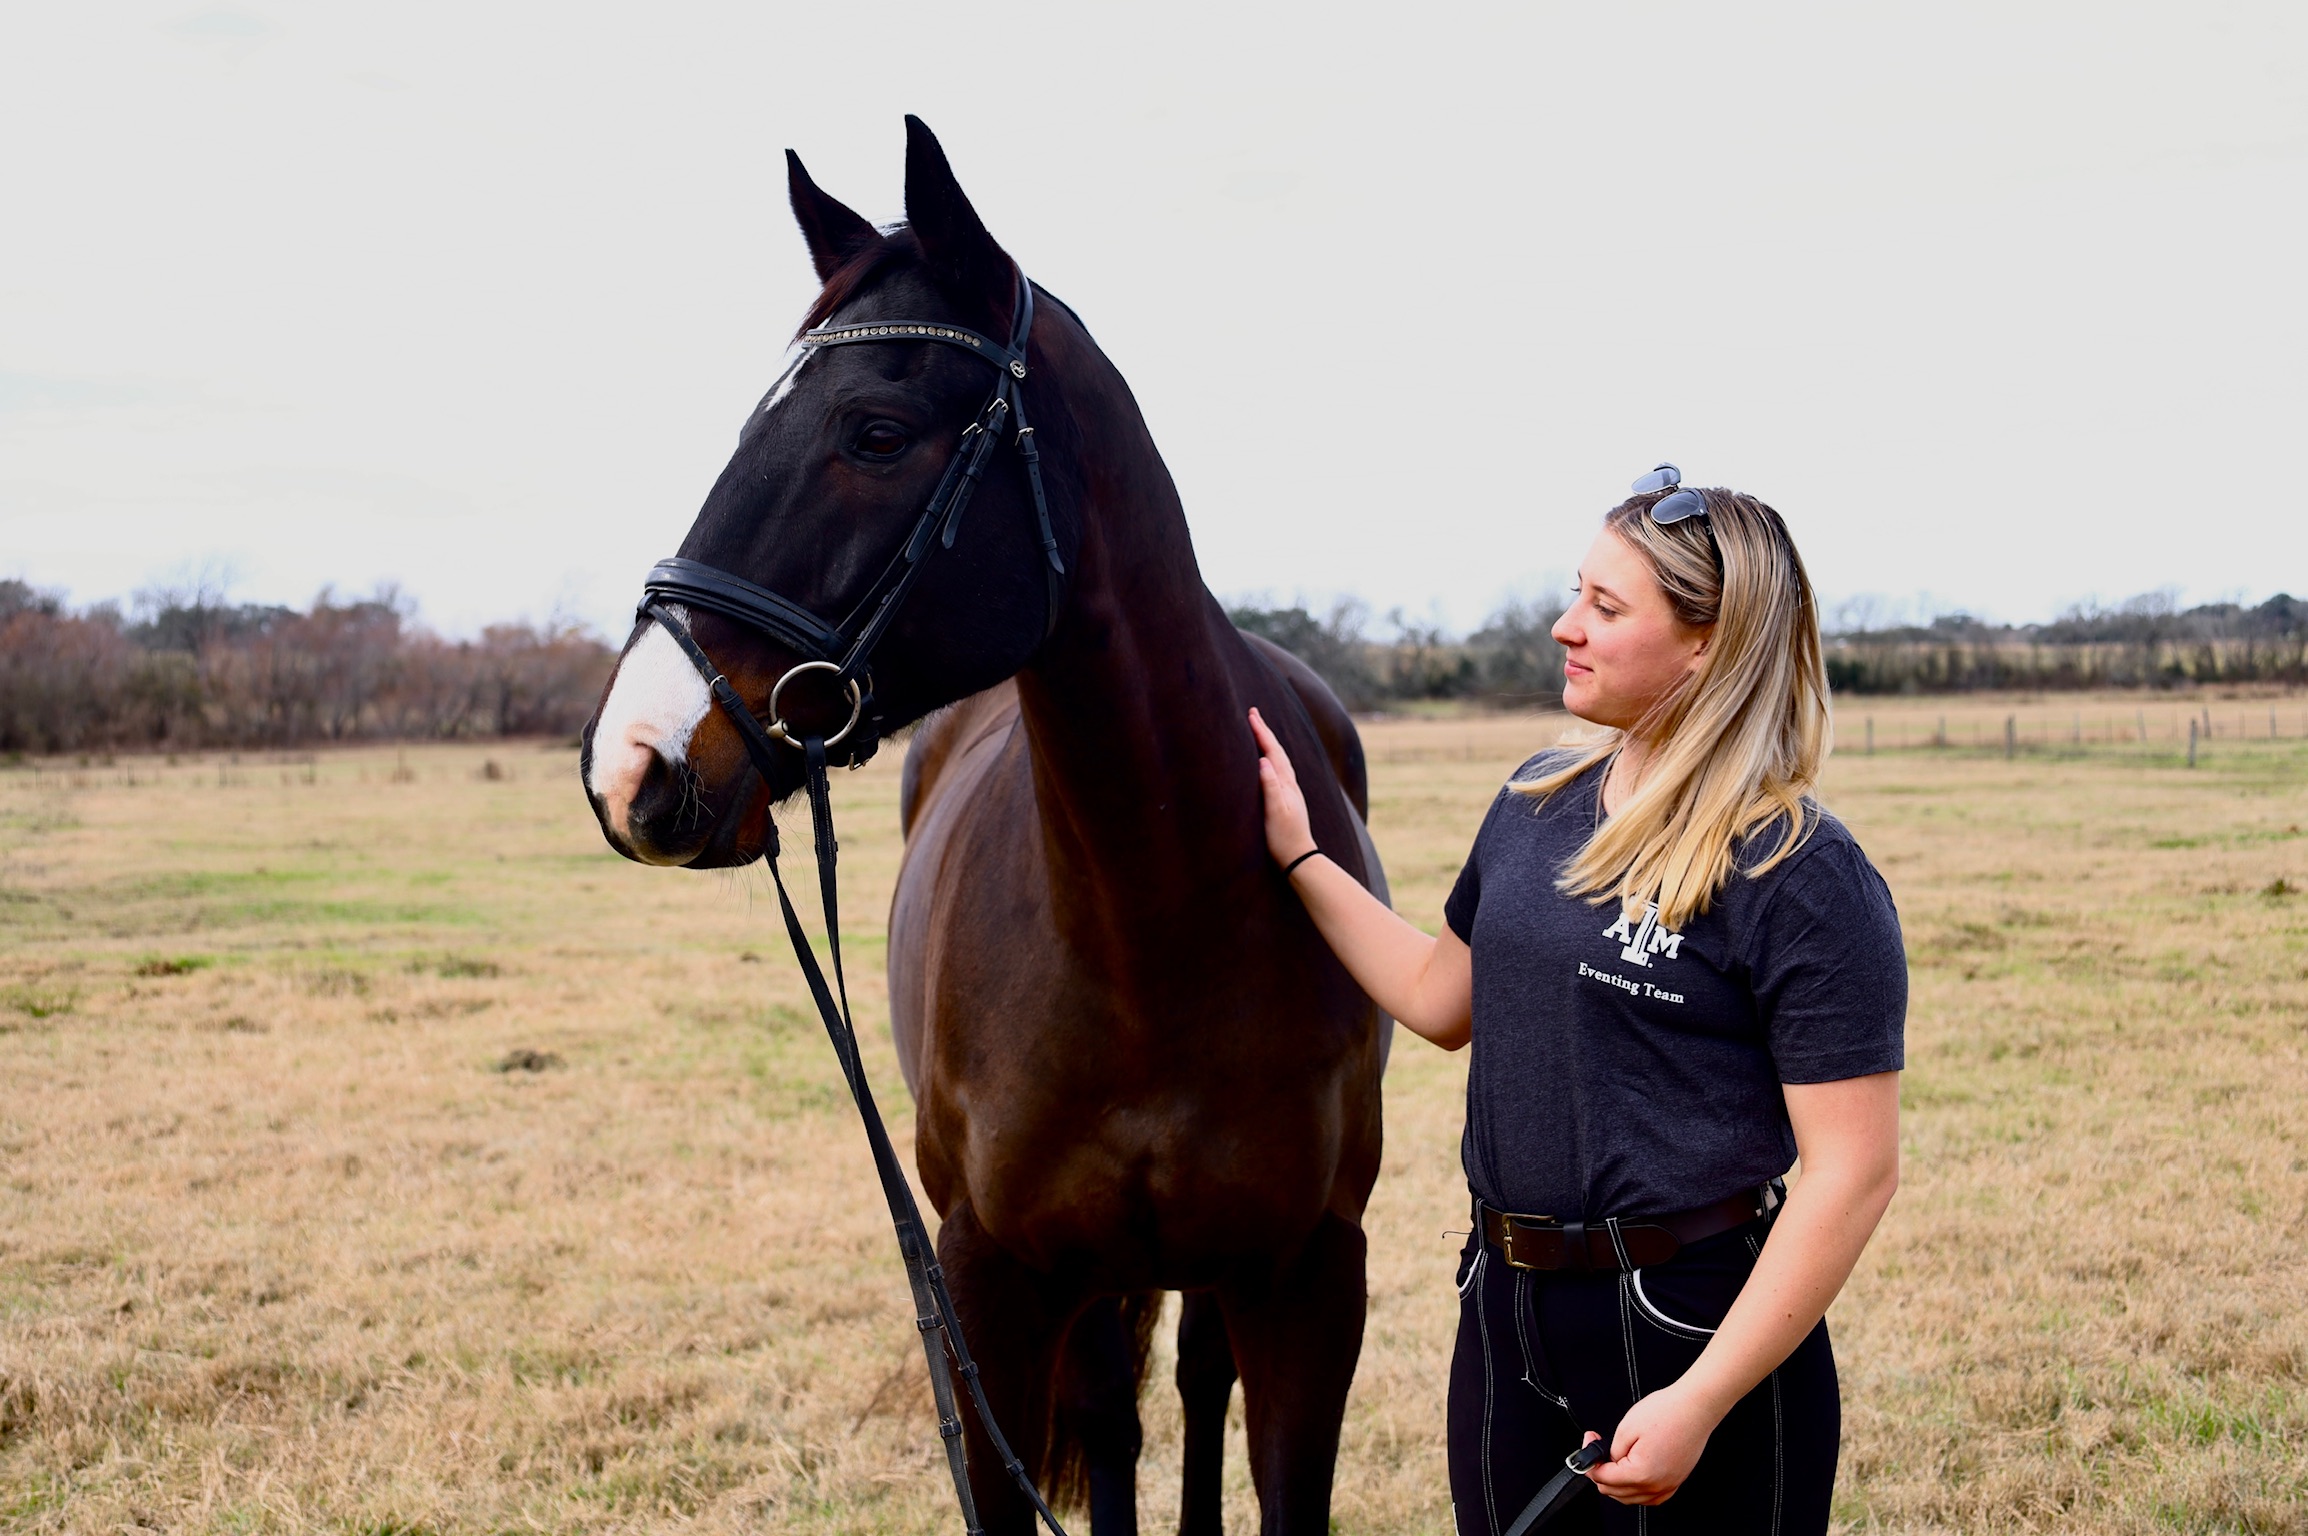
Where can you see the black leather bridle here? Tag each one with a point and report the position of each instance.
(844, 652)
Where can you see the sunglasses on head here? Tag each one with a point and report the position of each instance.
(1670, 510)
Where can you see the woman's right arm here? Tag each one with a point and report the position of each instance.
(1426, 983)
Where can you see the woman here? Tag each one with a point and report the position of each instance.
(1679, 974)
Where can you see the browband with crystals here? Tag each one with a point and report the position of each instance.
(952, 335)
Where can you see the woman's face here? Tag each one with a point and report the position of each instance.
(1624, 647)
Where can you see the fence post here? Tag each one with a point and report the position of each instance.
(2143, 726)
(2191, 741)
(2010, 736)
(1871, 734)
(1940, 740)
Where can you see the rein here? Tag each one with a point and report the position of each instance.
(844, 651)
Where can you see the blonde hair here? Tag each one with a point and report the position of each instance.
(1737, 745)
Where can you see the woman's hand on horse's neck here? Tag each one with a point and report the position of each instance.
(1426, 984)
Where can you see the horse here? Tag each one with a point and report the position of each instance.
(1136, 1066)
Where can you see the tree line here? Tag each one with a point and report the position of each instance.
(191, 670)
(2145, 642)
(2148, 641)
(1510, 660)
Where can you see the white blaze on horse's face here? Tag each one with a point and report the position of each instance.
(652, 710)
(778, 392)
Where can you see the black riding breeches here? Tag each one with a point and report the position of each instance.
(1545, 1355)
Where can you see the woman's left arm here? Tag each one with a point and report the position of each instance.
(1847, 1134)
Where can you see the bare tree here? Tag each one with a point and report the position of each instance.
(196, 669)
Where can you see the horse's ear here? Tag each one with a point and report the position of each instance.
(833, 232)
(962, 257)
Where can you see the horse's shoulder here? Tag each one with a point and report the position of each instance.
(943, 737)
(1333, 726)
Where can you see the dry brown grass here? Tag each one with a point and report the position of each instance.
(293, 1237)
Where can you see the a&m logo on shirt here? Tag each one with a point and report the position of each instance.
(1648, 938)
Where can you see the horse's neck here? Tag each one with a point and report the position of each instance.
(1143, 764)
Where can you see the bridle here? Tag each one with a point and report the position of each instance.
(844, 653)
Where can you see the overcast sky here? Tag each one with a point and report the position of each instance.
(2001, 304)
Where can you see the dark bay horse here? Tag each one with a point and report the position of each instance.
(1136, 1066)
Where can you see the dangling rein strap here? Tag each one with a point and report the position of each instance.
(934, 1315)
(1556, 1493)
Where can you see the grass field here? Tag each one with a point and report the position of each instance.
(382, 1155)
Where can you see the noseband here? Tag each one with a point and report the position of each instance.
(844, 651)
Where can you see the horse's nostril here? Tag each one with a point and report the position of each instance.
(668, 805)
(659, 784)
(622, 776)
(656, 809)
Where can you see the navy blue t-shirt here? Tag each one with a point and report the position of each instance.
(1621, 1069)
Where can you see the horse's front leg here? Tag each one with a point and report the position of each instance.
(1205, 1383)
(1098, 1408)
(1297, 1331)
(1014, 1326)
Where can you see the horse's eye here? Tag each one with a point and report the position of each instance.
(882, 440)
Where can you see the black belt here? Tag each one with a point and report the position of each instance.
(1616, 1244)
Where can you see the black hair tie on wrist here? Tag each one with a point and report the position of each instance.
(1301, 859)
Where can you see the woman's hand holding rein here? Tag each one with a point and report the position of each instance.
(1847, 1135)
(1425, 983)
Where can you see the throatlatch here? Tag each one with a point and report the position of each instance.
(845, 651)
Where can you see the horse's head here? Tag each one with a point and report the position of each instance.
(832, 474)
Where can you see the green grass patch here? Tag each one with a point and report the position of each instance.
(354, 911)
(41, 1002)
(177, 965)
(457, 966)
(177, 885)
